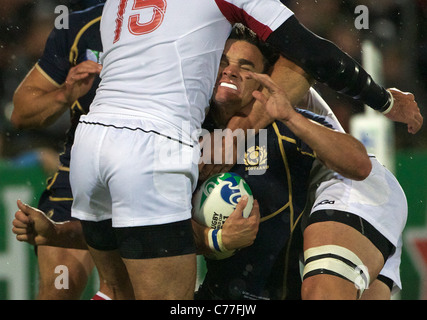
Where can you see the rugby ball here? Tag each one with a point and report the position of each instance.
(217, 198)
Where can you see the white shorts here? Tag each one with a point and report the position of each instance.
(128, 170)
(391, 268)
(379, 199)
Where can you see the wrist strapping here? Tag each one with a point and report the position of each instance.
(390, 104)
(215, 240)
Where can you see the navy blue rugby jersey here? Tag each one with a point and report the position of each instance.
(66, 48)
(269, 269)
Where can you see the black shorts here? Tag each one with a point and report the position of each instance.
(364, 227)
(147, 242)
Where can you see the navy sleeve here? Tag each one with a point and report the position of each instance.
(55, 59)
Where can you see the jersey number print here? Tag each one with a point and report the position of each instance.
(134, 25)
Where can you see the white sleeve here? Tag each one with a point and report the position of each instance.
(263, 17)
(315, 103)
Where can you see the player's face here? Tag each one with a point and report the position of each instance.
(238, 58)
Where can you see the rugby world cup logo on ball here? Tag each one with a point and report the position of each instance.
(217, 198)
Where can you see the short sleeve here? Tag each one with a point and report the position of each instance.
(54, 62)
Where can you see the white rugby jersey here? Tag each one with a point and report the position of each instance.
(161, 57)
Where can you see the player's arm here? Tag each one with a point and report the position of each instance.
(338, 151)
(328, 64)
(33, 226)
(38, 102)
(237, 232)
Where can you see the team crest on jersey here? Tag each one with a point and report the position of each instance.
(256, 158)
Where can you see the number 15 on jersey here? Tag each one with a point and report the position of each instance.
(134, 25)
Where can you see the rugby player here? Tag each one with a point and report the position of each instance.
(51, 88)
(159, 70)
(348, 220)
(260, 270)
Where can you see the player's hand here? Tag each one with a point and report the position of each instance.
(239, 232)
(405, 110)
(277, 104)
(80, 80)
(32, 225)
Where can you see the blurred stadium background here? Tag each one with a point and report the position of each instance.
(397, 29)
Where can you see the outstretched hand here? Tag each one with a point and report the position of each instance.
(405, 110)
(32, 225)
(277, 104)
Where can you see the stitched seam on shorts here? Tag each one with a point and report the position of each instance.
(137, 129)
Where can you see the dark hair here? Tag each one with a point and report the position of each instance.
(270, 55)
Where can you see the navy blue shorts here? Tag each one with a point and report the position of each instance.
(57, 198)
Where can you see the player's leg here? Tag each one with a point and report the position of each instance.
(171, 278)
(388, 281)
(102, 245)
(79, 265)
(342, 246)
(54, 284)
(113, 273)
(378, 290)
(336, 253)
(56, 202)
(160, 260)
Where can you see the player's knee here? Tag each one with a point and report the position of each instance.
(64, 277)
(117, 286)
(62, 285)
(313, 289)
(328, 287)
